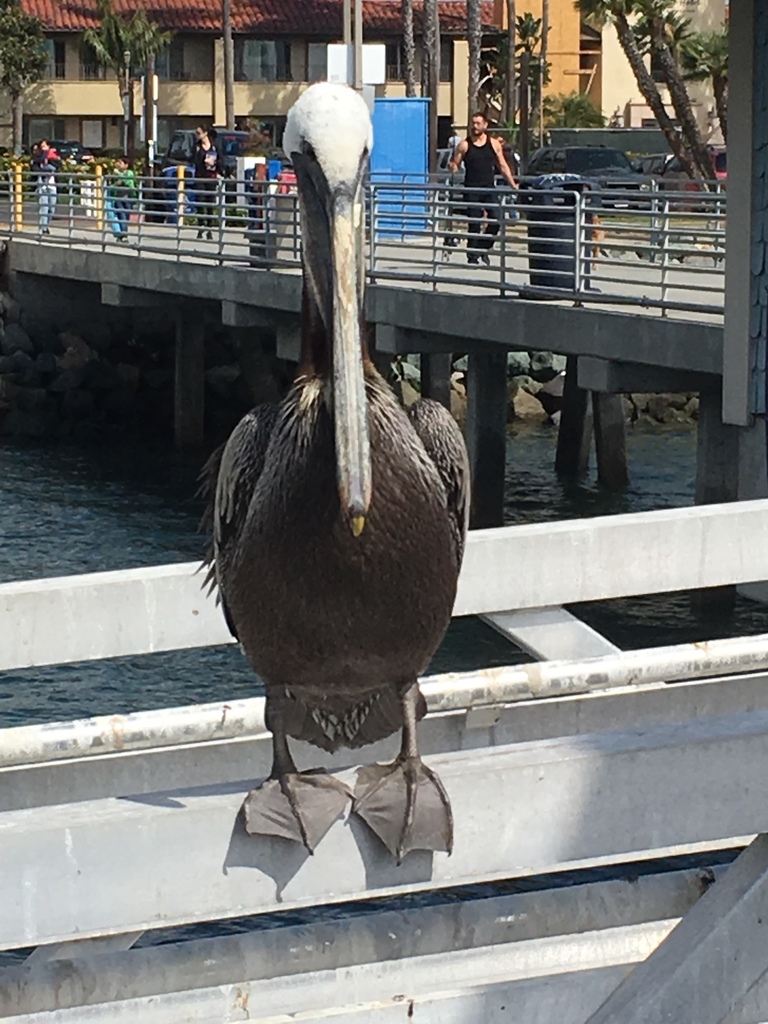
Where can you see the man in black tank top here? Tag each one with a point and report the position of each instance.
(481, 156)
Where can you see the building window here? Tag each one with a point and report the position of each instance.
(169, 65)
(262, 60)
(396, 62)
(56, 54)
(90, 69)
(317, 62)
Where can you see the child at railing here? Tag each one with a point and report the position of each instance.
(121, 194)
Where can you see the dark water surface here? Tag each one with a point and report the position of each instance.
(68, 510)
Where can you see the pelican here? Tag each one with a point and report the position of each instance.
(339, 523)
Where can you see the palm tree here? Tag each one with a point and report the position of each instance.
(618, 13)
(704, 57)
(574, 110)
(117, 36)
(664, 29)
(475, 40)
(409, 48)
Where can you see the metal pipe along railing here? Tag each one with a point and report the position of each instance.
(459, 691)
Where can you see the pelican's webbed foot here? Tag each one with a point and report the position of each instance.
(406, 805)
(301, 806)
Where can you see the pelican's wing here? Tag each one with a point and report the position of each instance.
(444, 444)
(228, 479)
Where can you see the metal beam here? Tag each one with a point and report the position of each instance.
(243, 747)
(517, 567)
(579, 930)
(612, 377)
(550, 633)
(109, 865)
(710, 961)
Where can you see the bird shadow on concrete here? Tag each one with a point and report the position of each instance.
(278, 859)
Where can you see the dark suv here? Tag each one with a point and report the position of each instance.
(609, 168)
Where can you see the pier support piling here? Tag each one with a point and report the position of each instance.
(487, 435)
(436, 377)
(574, 435)
(610, 440)
(189, 379)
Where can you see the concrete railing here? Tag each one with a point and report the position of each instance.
(118, 825)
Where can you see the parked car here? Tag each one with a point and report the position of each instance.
(72, 152)
(671, 176)
(181, 149)
(609, 168)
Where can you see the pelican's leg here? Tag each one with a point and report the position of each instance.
(405, 803)
(293, 805)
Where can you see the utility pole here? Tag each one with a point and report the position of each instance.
(358, 58)
(229, 64)
(127, 105)
(543, 65)
(150, 114)
(432, 53)
(525, 109)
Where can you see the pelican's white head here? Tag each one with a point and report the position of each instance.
(328, 138)
(332, 122)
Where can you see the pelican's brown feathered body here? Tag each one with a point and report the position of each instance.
(339, 522)
(341, 623)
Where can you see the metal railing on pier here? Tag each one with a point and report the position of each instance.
(657, 250)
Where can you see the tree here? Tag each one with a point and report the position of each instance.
(23, 60)
(118, 35)
(475, 40)
(704, 57)
(618, 13)
(572, 110)
(665, 31)
(409, 48)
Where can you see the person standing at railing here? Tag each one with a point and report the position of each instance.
(121, 194)
(44, 171)
(482, 157)
(207, 169)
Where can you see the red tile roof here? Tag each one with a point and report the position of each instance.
(262, 17)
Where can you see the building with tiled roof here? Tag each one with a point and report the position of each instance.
(280, 46)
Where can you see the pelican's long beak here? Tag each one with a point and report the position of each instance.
(350, 408)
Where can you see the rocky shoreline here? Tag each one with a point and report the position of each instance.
(102, 375)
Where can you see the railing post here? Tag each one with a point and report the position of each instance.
(18, 198)
(503, 215)
(99, 197)
(371, 202)
(578, 240)
(181, 197)
(664, 255)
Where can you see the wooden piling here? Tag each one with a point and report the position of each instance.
(487, 435)
(574, 435)
(610, 440)
(436, 377)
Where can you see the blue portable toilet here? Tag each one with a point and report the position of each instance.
(400, 133)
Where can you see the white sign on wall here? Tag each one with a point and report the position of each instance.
(341, 63)
(93, 134)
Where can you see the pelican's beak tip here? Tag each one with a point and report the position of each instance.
(358, 524)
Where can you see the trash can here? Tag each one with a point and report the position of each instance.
(548, 204)
(261, 241)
